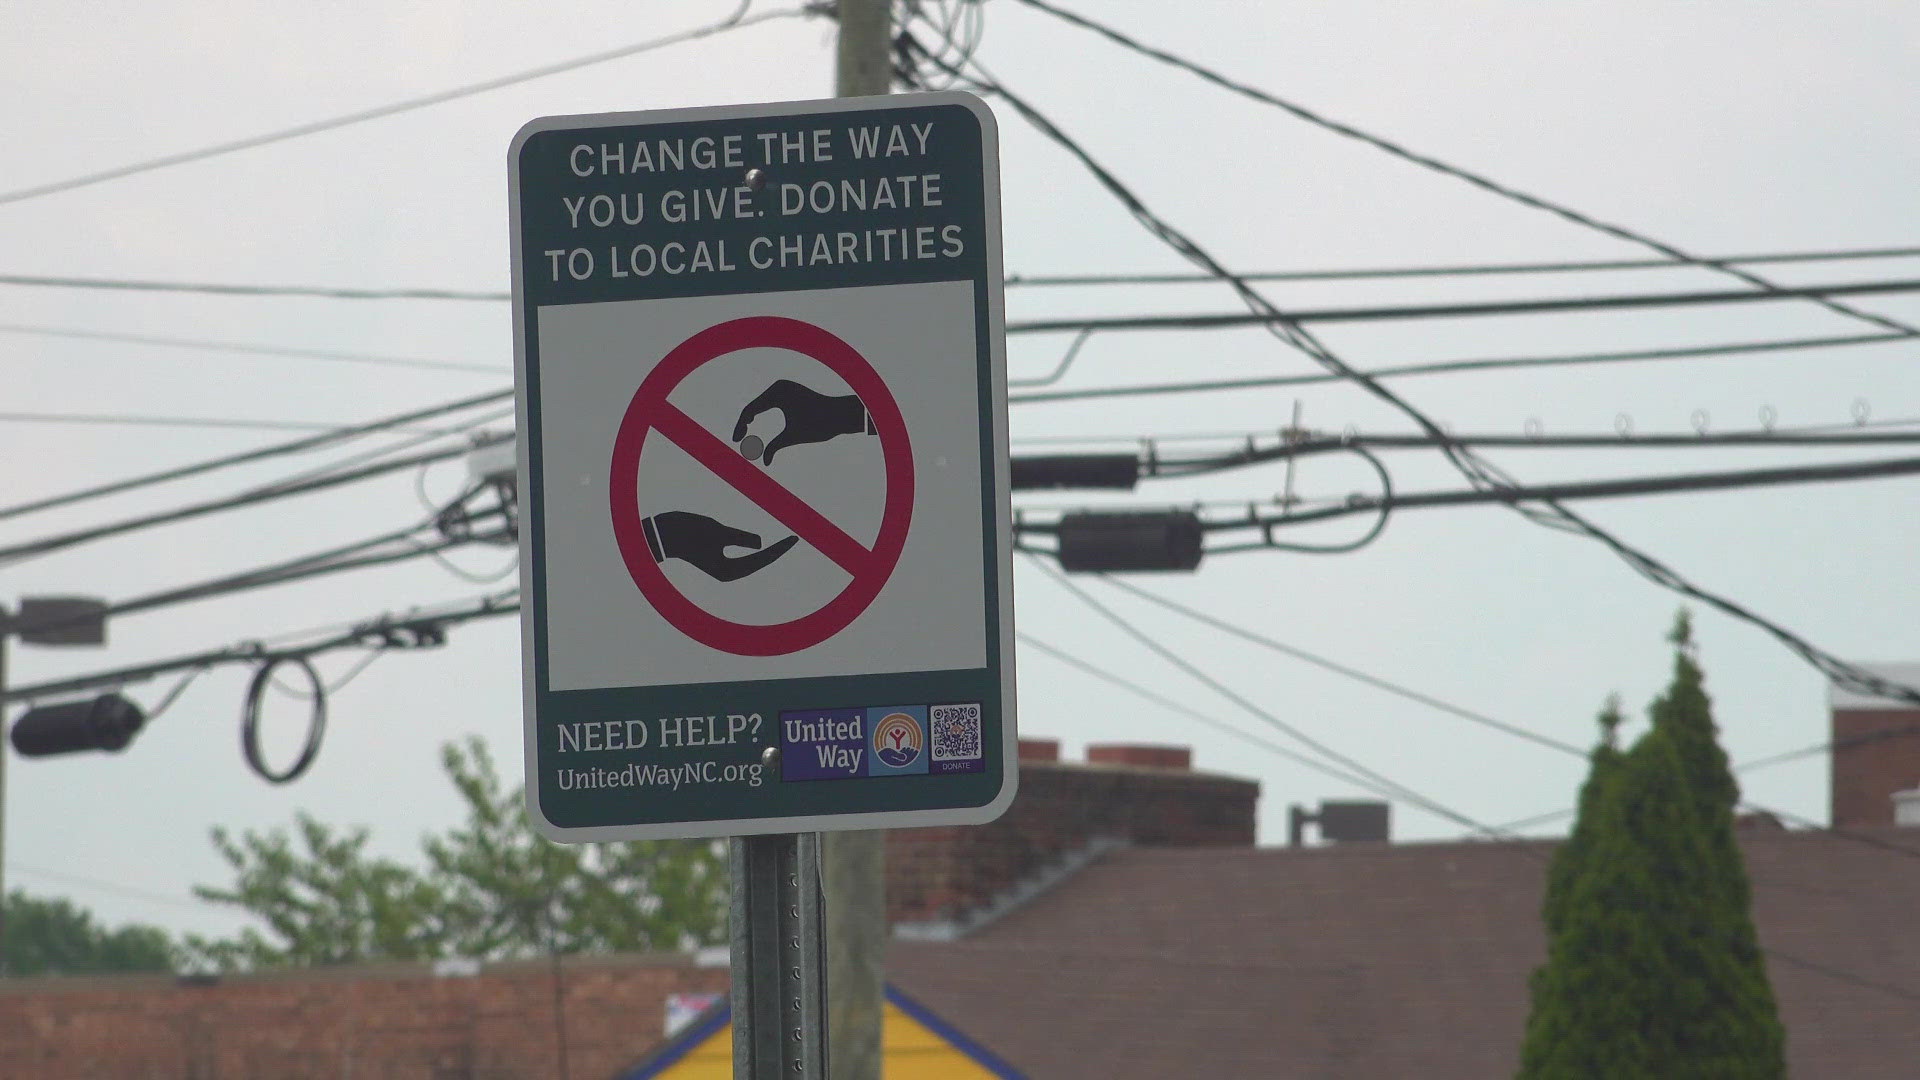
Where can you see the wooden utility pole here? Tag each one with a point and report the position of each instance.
(853, 863)
(4, 751)
(864, 65)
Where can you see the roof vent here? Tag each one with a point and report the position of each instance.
(1341, 822)
(1906, 807)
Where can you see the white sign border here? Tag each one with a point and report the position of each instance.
(1000, 497)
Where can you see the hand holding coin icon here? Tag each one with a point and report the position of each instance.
(807, 416)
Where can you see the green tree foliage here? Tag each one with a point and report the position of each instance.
(53, 936)
(491, 889)
(1653, 965)
(324, 901)
(1604, 766)
(513, 893)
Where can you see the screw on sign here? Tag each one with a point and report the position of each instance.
(649, 538)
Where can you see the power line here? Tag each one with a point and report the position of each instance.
(1270, 317)
(1867, 839)
(1648, 440)
(1823, 747)
(1624, 434)
(390, 547)
(1478, 470)
(738, 18)
(1624, 487)
(1829, 746)
(1225, 320)
(1479, 718)
(109, 887)
(1372, 273)
(327, 438)
(1266, 642)
(321, 292)
(292, 352)
(1466, 714)
(1438, 367)
(1540, 819)
(1164, 702)
(46, 545)
(1402, 792)
(335, 292)
(1377, 782)
(465, 427)
(1251, 516)
(396, 546)
(1618, 232)
(211, 423)
(1840, 975)
(1059, 369)
(1623, 431)
(1343, 670)
(1371, 680)
(1153, 463)
(376, 630)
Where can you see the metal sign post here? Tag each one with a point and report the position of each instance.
(779, 958)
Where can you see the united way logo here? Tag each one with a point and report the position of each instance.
(898, 741)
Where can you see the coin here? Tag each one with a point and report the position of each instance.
(750, 447)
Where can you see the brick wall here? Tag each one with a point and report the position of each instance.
(367, 1022)
(1868, 771)
(1143, 795)
(403, 1022)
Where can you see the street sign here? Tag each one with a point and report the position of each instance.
(765, 532)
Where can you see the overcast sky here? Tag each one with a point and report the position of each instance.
(1723, 128)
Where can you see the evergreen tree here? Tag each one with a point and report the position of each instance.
(1552, 1019)
(1653, 966)
(1604, 764)
(1684, 713)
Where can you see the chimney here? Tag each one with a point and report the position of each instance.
(942, 880)
(1141, 756)
(1039, 750)
(1876, 751)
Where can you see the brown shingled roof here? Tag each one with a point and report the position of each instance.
(1388, 961)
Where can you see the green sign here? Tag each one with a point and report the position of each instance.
(765, 529)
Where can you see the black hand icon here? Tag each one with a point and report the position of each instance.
(702, 541)
(809, 415)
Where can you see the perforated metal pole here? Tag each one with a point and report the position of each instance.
(779, 961)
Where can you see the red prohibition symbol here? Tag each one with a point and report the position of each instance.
(651, 412)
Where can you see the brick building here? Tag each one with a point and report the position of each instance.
(456, 1021)
(1117, 923)
(943, 881)
(1876, 751)
(365, 1021)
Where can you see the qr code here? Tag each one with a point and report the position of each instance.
(956, 732)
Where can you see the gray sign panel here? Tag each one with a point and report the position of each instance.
(765, 531)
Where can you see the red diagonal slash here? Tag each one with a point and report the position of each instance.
(649, 412)
(769, 494)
